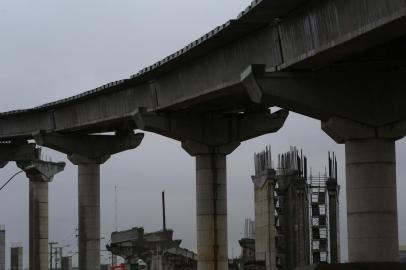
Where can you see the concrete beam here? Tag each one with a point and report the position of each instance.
(88, 148)
(18, 152)
(343, 130)
(315, 35)
(373, 98)
(40, 170)
(211, 129)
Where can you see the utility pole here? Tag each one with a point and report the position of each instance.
(56, 258)
(163, 211)
(51, 244)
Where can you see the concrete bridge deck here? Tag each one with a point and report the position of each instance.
(294, 35)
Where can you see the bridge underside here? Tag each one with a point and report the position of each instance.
(342, 62)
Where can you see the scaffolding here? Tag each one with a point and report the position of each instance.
(298, 213)
(323, 192)
(319, 222)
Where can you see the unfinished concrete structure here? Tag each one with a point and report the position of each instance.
(2, 247)
(264, 188)
(157, 249)
(16, 257)
(247, 244)
(291, 214)
(340, 62)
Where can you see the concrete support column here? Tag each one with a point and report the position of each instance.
(211, 210)
(211, 203)
(371, 200)
(16, 258)
(39, 173)
(210, 137)
(88, 152)
(371, 188)
(38, 225)
(89, 216)
(2, 248)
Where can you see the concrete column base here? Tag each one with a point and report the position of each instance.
(371, 200)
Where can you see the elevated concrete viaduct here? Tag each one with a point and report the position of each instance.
(210, 138)
(338, 61)
(365, 112)
(39, 173)
(88, 152)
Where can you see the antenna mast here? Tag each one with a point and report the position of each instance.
(163, 211)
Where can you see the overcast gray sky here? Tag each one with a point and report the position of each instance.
(53, 49)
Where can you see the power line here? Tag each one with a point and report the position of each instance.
(11, 178)
(14, 175)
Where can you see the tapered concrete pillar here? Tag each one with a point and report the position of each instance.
(371, 189)
(16, 258)
(2, 247)
(40, 173)
(88, 152)
(371, 200)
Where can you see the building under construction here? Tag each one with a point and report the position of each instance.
(153, 251)
(296, 214)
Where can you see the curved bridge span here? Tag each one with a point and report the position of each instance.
(342, 62)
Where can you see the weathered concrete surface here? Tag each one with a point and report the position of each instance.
(97, 148)
(371, 188)
(88, 152)
(211, 210)
(206, 74)
(18, 152)
(373, 98)
(265, 249)
(2, 248)
(371, 201)
(16, 258)
(39, 173)
(89, 216)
